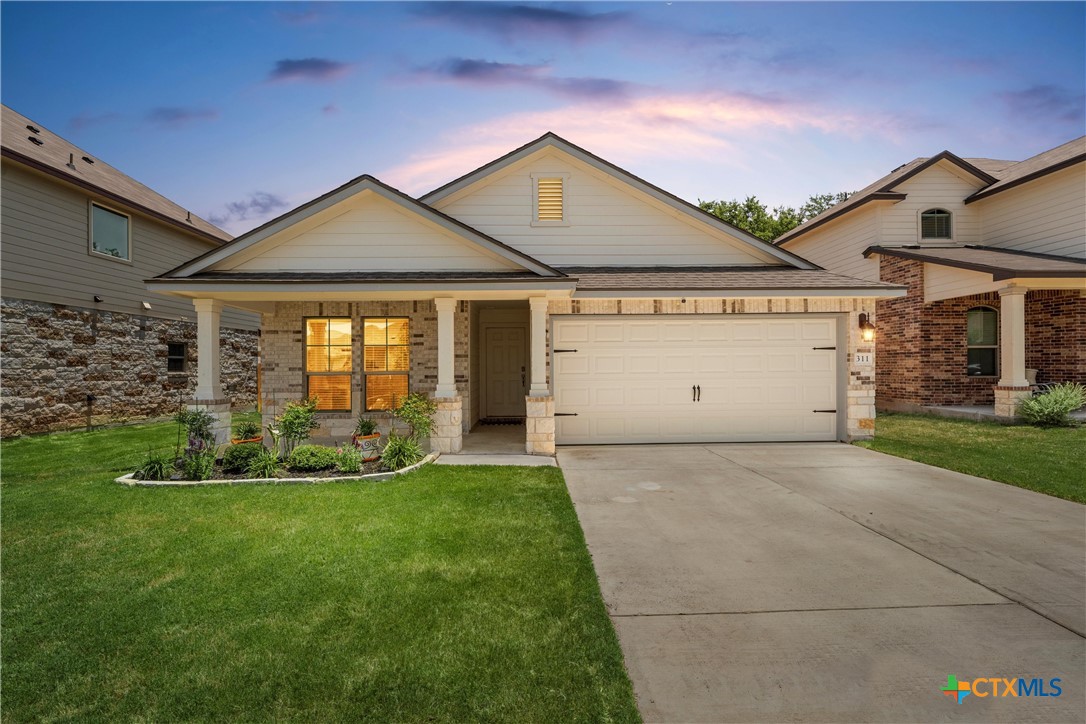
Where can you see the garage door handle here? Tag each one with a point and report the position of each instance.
(699, 393)
(559, 351)
(693, 393)
(565, 414)
(823, 348)
(823, 410)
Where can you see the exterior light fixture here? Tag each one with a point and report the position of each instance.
(147, 306)
(867, 330)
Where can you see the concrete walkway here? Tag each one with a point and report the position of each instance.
(825, 582)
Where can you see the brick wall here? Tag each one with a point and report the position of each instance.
(922, 347)
(55, 356)
(282, 355)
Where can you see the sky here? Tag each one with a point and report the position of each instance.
(241, 111)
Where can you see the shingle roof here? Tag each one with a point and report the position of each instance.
(441, 276)
(714, 278)
(60, 158)
(1043, 163)
(1000, 263)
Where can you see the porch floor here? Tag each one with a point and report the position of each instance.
(495, 440)
(982, 413)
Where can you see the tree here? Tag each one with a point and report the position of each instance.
(754, 216)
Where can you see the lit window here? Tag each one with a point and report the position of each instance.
(387, 361)
(109, 233)
(935, 224)
(982, 339)
(328, 362)
(176, 356)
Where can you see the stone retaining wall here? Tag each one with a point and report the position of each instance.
(67, 367)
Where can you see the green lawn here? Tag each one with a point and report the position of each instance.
(1049, 461)
(450, 594)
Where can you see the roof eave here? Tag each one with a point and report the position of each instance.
(884, 292)
(989, 192)
(876, 196)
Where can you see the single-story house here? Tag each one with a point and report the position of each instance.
(993, 254)
(548, 286)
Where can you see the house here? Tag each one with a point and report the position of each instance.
(548, 286)
(84, 342)
(993, 254)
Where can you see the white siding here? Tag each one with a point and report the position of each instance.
(838, 245)
(610, 223)
(367, 233)
(46, 256)
(934, 187)
(946, 282)
(1046, 216)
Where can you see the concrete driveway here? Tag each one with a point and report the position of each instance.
(825, 582)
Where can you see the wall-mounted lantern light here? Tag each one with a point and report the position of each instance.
(867, 330)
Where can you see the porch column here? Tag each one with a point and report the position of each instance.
(1013, 385)
(539, 386)
(208, 315)
(446, 375)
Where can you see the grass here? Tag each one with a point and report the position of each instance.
(1049, 461)
(450, 594)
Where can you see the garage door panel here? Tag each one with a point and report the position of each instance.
(632, 379)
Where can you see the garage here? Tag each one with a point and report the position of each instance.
(686, 378)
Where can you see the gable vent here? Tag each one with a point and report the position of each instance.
(550, 199)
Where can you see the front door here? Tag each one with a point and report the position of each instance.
(506, 371)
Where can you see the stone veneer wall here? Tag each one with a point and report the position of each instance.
(55, 356)
(282, 357)
(922, 346)
(860, 406)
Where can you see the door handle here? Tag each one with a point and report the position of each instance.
(699, 393)
(693, 393)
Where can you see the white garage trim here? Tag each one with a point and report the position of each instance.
(672, 378)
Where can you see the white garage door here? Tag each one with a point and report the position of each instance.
(694, 379)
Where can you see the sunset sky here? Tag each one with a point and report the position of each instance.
(240, 111)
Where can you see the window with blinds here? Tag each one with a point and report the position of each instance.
(386, 361)
(935, 224)
(328, 362)
(982, 340)
(549, 201)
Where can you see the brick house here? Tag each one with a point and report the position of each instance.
(84, 342)
(993, 254)
(548, 288)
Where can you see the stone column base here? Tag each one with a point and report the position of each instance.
(539, 423)
(1007, 399)
(220, 410)
(448, 433)
(860, 412)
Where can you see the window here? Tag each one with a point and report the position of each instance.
(935, 224)
(387, 360)
(176, 356)
(982, 338)
(328, 362)
(549, 201)
(109, 232)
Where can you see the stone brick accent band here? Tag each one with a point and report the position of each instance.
(540, 426)
(448, 432)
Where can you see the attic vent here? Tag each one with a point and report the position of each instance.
(32, 129)
(549, 199)
(88, 159)
(36, 141)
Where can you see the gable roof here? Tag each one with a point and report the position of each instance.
(1000, 263)
(342, 193)
(553, 140)
(883, 189)
(57, 157)
(1034, 167)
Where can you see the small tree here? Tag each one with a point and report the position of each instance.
(417, 411)
(295, 423)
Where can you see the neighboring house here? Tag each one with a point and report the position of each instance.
(83, 341)
(551, 286)
(994, 257)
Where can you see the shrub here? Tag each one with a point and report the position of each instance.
(348, 460)
(417, 411)
(1052, 408)
(156, 466)
(236, 459)
(297, 420)
(309, 458)
(265, 464)
(198, 424)
(200, 464)
(246, 430)
(365, 426)
(400, 452)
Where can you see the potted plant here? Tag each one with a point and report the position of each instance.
(246, 432)
(367, 439)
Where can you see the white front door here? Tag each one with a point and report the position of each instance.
(673, 378)
(506, 371)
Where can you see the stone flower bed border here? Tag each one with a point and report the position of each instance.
(130, 481)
